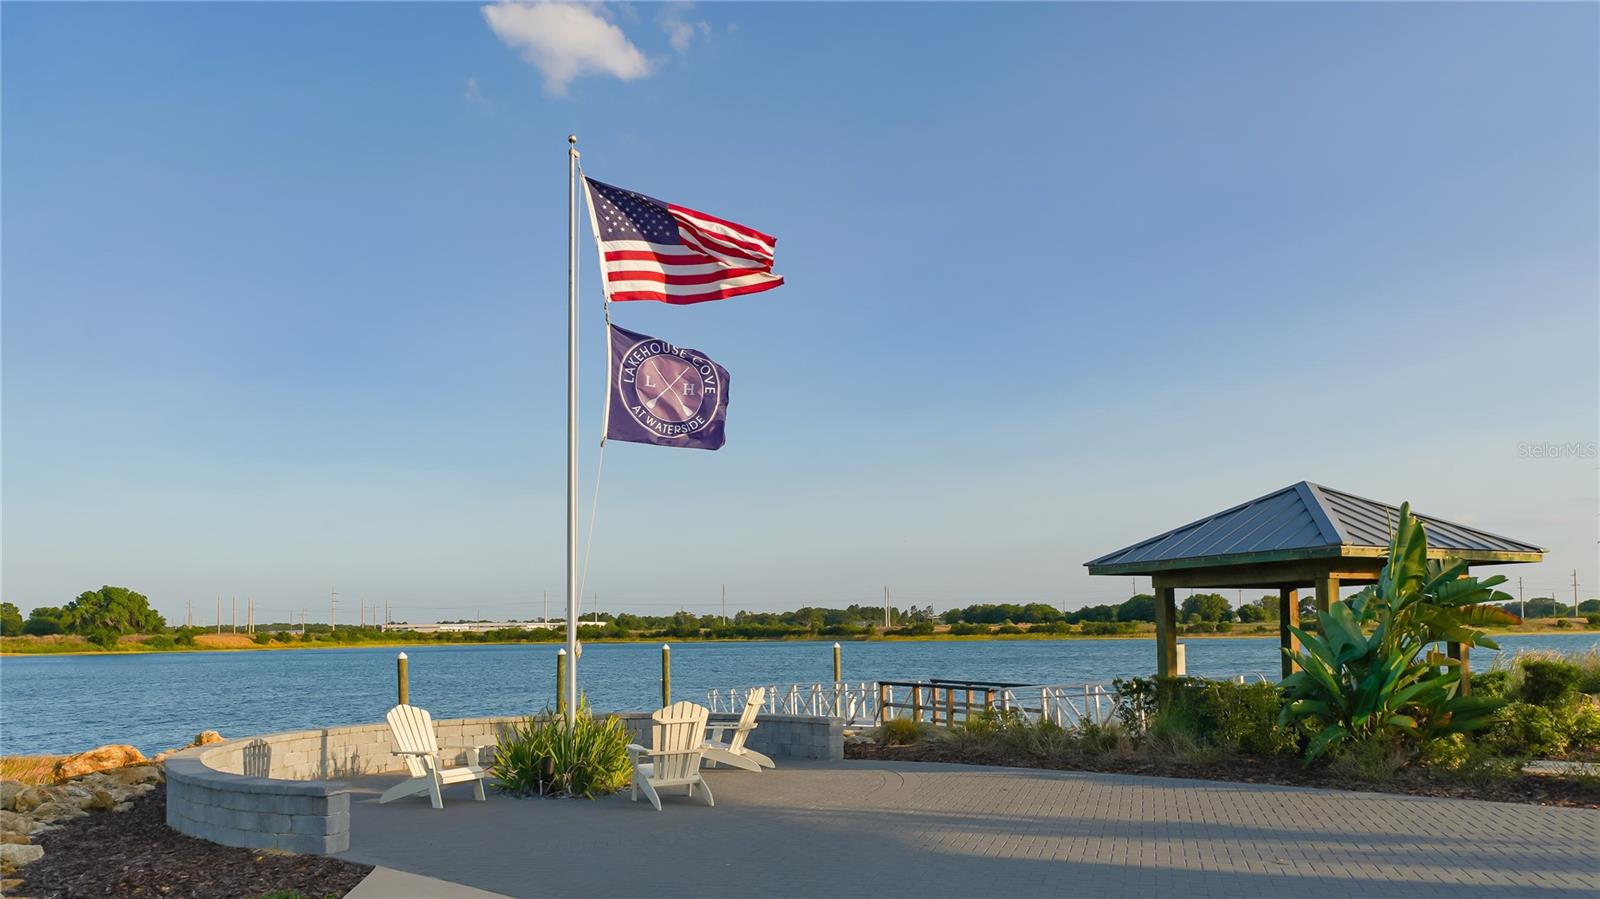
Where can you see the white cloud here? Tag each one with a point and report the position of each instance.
(680, 31)
(472, 95)
(566, 41)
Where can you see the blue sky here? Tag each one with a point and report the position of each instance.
(284, 291)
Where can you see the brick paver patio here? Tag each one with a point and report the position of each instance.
(902, 829)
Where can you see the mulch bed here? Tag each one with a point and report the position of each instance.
(135, 853)
(1529, 788)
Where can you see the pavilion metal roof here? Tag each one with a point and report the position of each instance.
(1303, 521)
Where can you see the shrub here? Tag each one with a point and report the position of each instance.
(263, 638)
(1108, 628)
(901, 732)
(105, 639)
(967, 630)
(1008, 732)
(1374, 759)
(1467, 762)
(1550, 682)
(1187, 714)
(590, 758)
(1581, 721)
(1104, 739)
(1495, 684)
(1224, 627)
(1563, 623)
(1523, 729)
(160, 642)
(1009, 629)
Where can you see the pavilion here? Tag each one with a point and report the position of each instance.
(1303, 536)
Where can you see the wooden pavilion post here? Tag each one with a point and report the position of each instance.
(1327, 592)
(1166, 631)
(1288, 616)
(1462, 654)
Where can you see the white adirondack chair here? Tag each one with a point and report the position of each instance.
(413, 730)
(733, 752)
(678, 742)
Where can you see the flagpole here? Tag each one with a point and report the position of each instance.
(572, 430)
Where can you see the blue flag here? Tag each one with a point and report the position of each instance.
(664, 394)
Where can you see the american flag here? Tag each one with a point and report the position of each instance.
(651, 250)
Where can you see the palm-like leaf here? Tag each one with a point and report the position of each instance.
(1372, 670)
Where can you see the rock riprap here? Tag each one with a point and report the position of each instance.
(27, 810)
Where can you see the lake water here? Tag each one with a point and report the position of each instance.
(57, 704)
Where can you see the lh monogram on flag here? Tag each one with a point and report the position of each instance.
(664, 394)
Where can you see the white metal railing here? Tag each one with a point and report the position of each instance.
(865, 703)
(868, 703)
(855, 702)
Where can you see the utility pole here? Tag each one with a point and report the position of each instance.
(1574, 592)
(724, 605)
(1522, 602)
(234, 627)
(188, 613)
(333, 610)
(363, 615)
(546, 615)
(302, 623)
(885, 607)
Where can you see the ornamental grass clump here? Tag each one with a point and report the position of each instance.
(901, 732)
(1371, 677)
(541, 755)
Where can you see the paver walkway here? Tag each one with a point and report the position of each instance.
(860, 828)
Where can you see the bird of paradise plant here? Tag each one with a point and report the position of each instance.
(1371, 671)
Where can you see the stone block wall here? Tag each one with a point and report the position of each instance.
(779, 736)
(288, 791)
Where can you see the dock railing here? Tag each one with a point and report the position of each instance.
(939, 702)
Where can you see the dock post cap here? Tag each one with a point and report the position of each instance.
(562, 651)
(402, 655)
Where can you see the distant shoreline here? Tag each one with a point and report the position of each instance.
(1145, 634)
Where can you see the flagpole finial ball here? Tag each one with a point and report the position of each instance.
(572, 138)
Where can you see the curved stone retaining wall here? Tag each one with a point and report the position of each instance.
(289, 791)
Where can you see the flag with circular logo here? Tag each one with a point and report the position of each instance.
(664, 394)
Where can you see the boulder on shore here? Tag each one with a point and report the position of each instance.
(8, 794)
(138, 774)
(203, 738)
(15, 855)
(29, 798)
(103, 758)
(13, 822)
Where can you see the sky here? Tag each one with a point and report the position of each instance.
(284, 292)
